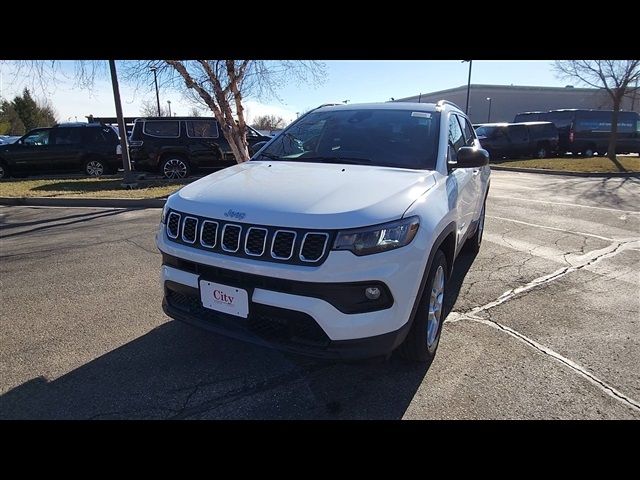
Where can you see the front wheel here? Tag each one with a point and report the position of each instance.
(174, 168)
(95, 167)
(4, 173)
(424, 336)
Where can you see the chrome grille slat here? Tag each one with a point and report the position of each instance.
(252, 240)
(173, 223)
(209, 229)
(189, 229)
(313, 246)
(231, 233)
(278, 237)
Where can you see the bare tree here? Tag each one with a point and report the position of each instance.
(149, 108)
(195, 112)
(615, 76)
(268, 122)
(222, 85)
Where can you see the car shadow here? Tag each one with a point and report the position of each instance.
(461, 267)
(176, 371)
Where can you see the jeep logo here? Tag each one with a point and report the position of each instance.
(231, 214)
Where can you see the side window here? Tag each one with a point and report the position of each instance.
(67, 136)
(469, 137)
(456, 137)
(41, 137)
(251, 132)
(202, 129)
(162, 128)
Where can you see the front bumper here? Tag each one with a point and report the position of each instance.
(272, 327)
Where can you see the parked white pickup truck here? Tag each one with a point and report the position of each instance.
(337, 238)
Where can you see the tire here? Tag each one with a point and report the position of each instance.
(174, 167)
(473, 243)
(423, 338)
(95, 167)
(4, 171)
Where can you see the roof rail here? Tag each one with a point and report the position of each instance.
(447, 102)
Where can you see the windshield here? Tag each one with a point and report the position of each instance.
(388, 138)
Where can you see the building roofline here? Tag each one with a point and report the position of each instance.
(495, 87)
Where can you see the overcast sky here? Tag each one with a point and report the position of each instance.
(353, 80)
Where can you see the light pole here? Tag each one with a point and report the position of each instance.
(169, 103)
(489, 115)
(155, 80)
(129, 179)
(466, 108)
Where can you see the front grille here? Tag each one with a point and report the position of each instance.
(256, 240)
(189, 228)
(313, 246)
(274, 324)
(273, 244)
(173, 225)
(231, 237)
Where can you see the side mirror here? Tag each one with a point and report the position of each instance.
(472, 157)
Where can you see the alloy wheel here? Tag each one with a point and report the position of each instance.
(175, 168)
(436, 302)
(94, 168)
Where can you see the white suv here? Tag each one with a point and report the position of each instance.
(337, 239)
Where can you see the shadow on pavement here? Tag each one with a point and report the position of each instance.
(176, 371)
(460, 269)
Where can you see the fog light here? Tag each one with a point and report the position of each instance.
(372, 293)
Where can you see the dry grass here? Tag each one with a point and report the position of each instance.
(108, 187)
(577, 164)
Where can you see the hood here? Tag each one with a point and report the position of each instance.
(304, 195)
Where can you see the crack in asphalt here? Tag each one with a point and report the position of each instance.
(605, 387)
(588, 259)
(298, 374)
(591, 258)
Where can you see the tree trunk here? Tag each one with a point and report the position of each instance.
(611, 150)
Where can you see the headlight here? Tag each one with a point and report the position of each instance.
(379, 238)
(165, 210)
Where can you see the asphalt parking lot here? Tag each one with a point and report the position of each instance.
(545, 323)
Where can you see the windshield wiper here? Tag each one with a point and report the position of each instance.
(344, 160)
(271, 156)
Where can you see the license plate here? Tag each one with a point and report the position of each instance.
(224, 298)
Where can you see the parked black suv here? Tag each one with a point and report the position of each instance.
(588, 131)
(176, 146)
(91, 148)
(526, 139)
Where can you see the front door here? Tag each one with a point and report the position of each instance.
(463, 180)
(32, 153)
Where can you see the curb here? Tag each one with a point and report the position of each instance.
(569, 174)
(84, 202)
